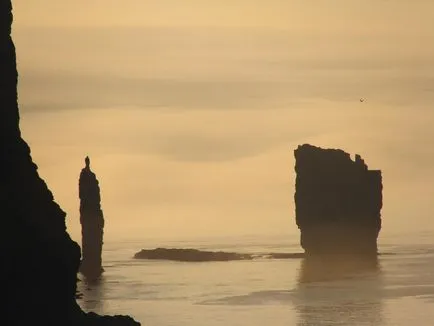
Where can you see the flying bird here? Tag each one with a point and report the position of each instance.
(362, 100)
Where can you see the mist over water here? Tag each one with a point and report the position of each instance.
(397, 291)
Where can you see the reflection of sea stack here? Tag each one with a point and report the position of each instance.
(338, 202)
(339, 290)
(334, 268)
(92, 222)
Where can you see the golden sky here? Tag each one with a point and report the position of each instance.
(190, 110)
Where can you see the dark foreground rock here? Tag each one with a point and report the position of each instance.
(39, 261)
(93, 319)
(189, 255)
(338, 202)
(92, 223)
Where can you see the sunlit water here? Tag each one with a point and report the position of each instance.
(265, 292)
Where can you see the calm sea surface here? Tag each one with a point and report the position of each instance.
(399, 291)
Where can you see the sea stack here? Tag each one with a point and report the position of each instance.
(39, 260)
(338, 202)
(92, 223)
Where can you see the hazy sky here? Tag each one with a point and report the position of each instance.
(190, 110)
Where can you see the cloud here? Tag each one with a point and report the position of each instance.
(42, 92)
(194, 127)
(68, 91)
(216, 68)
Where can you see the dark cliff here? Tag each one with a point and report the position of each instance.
(39, 259)
(92, 223)
(338, 202)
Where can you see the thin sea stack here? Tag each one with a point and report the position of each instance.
(92, 223)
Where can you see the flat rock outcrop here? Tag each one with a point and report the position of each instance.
(338, 202)
(92, 223)
(189, 255)
(39, 260)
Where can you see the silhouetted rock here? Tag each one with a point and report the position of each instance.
(189, 255)
(92, 223)
(93, 319)
(338, 202)
(39, 261)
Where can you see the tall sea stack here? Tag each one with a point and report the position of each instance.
(92, 223)
(39, 260)
(337, 202)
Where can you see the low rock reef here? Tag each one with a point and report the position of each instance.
(189, 255)
(196, 255)
(338, 202)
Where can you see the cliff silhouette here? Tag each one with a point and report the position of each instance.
(92, 223)
(338, 202)
(39, 260)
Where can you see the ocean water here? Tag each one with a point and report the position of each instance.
(397, 291)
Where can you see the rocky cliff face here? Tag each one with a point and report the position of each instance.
(39, 259)
(338, 202)
(92, 223)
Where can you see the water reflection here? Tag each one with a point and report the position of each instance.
(339, 291)
(92, 294)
